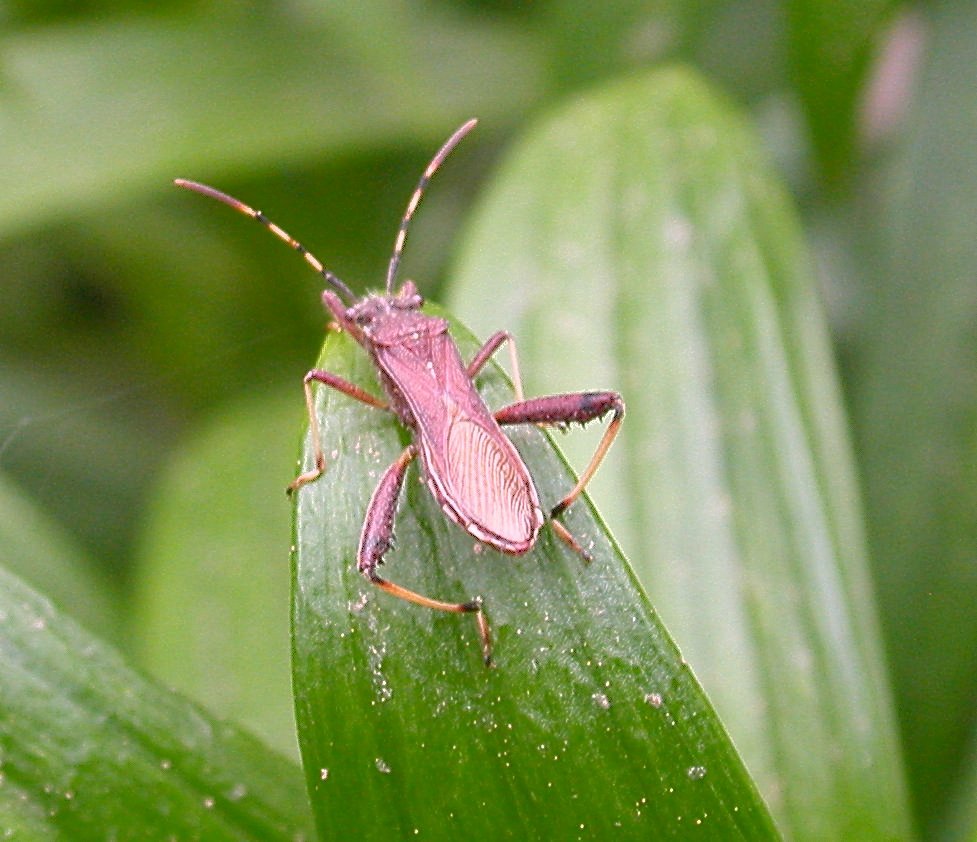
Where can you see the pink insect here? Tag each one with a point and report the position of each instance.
(472, 469)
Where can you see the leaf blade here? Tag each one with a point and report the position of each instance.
(636, 238)
(99, 750)
(214, 544)
(153, 98)
(589, 723)
(914, 404)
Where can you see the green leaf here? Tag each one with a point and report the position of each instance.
(958, 819)
(158, 98)
(37, 550)
(590, 723)
(71, 439)
(211, 611)
(737, 43)
(636, 240)
(92, 750)
(915, 407)
(830, 46)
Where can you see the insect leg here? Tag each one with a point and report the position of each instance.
(492, 344)
(347, 388)
(579, 407)
(376, 539)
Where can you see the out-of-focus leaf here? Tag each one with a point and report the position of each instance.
(915, 403)
(211, 616)
(738, 43)
(830, 46)
(589, 42)
(69, 435)
(637, 240)
(152, 98)
(590, 725)
(92, 750)
(959, 819)
(36, 549)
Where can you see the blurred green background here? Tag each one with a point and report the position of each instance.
(149, 337)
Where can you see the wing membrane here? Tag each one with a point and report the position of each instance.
(475, 472)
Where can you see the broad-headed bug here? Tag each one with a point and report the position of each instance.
(473, 470)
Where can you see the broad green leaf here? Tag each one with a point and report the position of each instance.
(92, 750)
(636, 240)
(830, 46)
(915, 405)
(157, 98)
(37, 550)
(211, 612)
(589, 725)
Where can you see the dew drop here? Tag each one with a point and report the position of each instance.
(696, 773)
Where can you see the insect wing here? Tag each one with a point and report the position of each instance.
(474, 471)
(488, 486)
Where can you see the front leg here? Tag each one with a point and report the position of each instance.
(336, 382)
(377, 537)
(578, 407)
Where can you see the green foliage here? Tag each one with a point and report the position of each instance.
(34, 548)
(213, 545)
(679, 265)
(830, 47)
(590, 722)
(915, 410)
(93, 750)
(633, 238)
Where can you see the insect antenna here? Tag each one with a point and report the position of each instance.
(282, 235)
(415, 198)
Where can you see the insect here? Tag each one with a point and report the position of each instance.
(474, 472)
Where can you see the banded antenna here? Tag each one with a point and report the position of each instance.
(310, 258)
(279, 232)
(415, 198)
